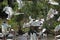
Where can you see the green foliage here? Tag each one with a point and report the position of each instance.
(3, 4)
(35, 9)
(40, 9)
(15, 6)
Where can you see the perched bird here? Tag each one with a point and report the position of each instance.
(33, 22)
(20, 4)
(53, 2)
(33, 36)
(51, 13)
(9, 11)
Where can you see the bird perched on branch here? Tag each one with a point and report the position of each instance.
(53, 2)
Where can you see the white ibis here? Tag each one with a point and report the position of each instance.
(8, 10)
(40, 22)
(20, 4)
(51, 13)
(53, 2)
(4, 28)
(34, 22)
(33, 36)
(37, 23)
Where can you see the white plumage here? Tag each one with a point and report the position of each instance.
(8, 10)
(4, 28)
(57, 28)
(30, 18)
(53, 2)
(37, 22)
(42, 20)
(43, 30)
(33, 36)
(33, 22)
(58, 19)
(51, 13)
(20, 4)
(26, 25)
(58, 36)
